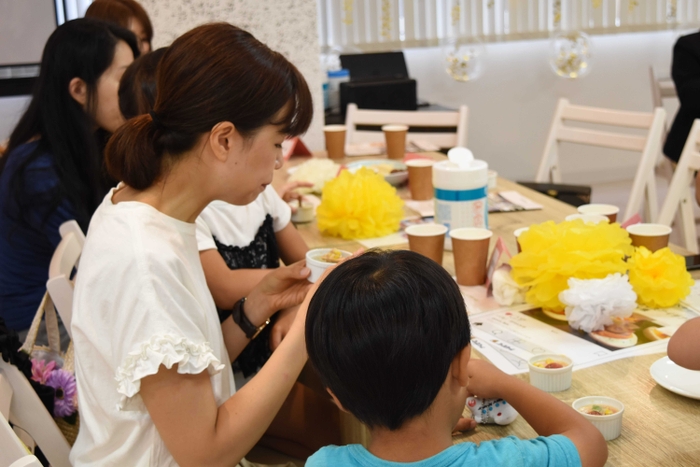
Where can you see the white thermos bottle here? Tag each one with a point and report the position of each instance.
(461, 186)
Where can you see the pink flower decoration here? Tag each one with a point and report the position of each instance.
(41, 370)
(65, 400)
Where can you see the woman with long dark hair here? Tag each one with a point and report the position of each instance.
(128, 14)
(152, 359)
(52, 170)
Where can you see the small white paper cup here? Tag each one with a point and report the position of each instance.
(305, 212)
(551, 379)
(609, 425)
(316, 265)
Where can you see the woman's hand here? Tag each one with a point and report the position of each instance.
(283, 324)
(282, 288)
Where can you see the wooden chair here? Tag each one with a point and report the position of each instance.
(27, 411)
(64, 259)
(680, 196)
(662, 87)
(440, 120)
(648, 146)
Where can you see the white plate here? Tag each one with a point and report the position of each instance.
(675, 378)
(396, 178)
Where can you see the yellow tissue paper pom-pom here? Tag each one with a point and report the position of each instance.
(660, 278)
(359, 205)
(553, 253)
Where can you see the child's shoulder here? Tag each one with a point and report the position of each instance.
(333, 455)
(556, 450)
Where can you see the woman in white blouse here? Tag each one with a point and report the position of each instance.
(152, 363)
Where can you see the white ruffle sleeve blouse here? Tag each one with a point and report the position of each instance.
(141, 301)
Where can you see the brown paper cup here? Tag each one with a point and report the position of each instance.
(652, 236)
(608, 210)
(427, 240)
(395, 136)
(420, 178)
(335, 141)
(470, 246)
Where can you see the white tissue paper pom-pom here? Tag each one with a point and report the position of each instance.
(593, 303)
(506, 291)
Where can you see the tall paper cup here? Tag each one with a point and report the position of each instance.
(652, 236)
(420, 178)
(471, 249)
(608, 210)
(335, 141)
(588, 218)
(427, 240)
(395, 136)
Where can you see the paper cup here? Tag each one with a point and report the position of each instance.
(652, 236)
(335, 141)
(470, 246)
(609, 425)
(608, 210)
(517, 234)
(420, 178)
(427, 240)
(551, 379)
(395, 136)
(317, 265)
(304, 212)
(588, 218)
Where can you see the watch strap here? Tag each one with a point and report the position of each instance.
(239, 317)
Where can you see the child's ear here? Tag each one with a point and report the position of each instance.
(336, 401)
(459, 365)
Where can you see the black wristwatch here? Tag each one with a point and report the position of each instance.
(251, 331)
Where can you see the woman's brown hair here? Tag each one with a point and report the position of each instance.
(214, 73)
(138, 86)
(121, 12)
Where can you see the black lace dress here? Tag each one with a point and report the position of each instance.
(261, 253)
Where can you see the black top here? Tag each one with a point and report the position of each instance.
(685, 72)
(261, 253)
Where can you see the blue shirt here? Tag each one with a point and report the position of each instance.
(25, 252)
(551, 451)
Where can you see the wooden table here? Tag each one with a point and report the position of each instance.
(659, 427)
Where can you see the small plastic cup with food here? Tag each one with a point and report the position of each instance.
(551, 372)
(320, 259)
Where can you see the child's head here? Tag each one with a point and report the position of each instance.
(383, 330)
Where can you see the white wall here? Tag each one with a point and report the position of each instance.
(511, 105)
(11, 109)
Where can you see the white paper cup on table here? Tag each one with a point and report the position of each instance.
(427, 240)
(609, 425)
(318, 264)
(335, 141)
(420, 178)
(304, 211)
(551, 379)
(470, 246)
(652, 236)
(395, 136)
(608, 210)
(588, 218)
(517, 233)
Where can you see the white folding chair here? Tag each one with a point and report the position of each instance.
(440, 120)
(64, 259)
(27, 412)
(648, 146)
(662, 87)
(680, 196)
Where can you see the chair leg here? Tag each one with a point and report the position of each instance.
(690, 235)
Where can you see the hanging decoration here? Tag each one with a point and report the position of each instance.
(463, 58)
(570, 54)
(348, 6)
(386, 19)
(597, 3)
(556, 10)
(671, 10)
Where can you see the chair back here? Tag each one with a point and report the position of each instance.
(648, 145)
(680, 194)
(662, 87)
(27, 411)
(64, 259)
(450, 127)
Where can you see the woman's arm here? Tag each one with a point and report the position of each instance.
(195, 430)
(684, 346)
(227, 286)
(292, 246)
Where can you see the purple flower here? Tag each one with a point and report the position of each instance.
(41, 370)
(64, 384)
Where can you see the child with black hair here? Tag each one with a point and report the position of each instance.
(389, 335)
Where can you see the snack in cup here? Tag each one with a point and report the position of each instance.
(320, 259)
(551, 372)
(605, 413)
